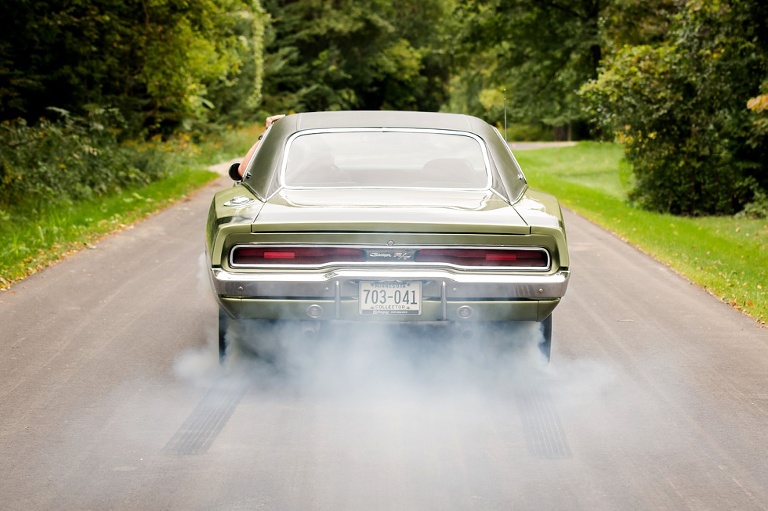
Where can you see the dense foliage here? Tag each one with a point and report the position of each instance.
(70, 159)
(535, 53)
(357, 54)
(681, 105)
(161, 63)
(83, 83)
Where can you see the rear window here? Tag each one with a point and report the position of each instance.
(386, 159)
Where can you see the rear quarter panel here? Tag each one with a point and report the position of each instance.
(541, 211)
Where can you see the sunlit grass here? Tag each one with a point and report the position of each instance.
(28, 246)
(725, 255)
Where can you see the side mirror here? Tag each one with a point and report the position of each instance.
(234, 172)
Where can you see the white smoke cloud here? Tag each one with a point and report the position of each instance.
(372, 360)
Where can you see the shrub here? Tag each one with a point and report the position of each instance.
(680, 109)
(73, 158)
(528, 132)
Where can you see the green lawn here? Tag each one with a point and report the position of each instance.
(726, 256)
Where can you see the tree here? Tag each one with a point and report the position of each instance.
(160, 62)
(541, 52)
(356, 54)
(635, 22)
(190, 47)
(680, 108)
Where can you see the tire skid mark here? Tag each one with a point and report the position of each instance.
(544, 434)
(206, 421)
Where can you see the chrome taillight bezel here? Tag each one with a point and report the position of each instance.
(406, 256)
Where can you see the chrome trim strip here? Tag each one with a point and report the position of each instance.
(396, 264)
(329, 284)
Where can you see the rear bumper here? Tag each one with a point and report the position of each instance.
(333, 295)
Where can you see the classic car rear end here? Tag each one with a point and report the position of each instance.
(385, 217)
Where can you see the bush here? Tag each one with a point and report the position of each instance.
(679, 108)
(758, 208)
(528, 132)
(71, 159)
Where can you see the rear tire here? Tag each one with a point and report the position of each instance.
(223, 324)
(255, 338)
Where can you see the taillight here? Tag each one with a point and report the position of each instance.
(295, 255)
(514, 258)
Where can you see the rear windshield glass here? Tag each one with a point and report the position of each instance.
(386, 159)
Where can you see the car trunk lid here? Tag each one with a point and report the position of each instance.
(396, 210)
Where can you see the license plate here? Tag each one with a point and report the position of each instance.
(390, 297)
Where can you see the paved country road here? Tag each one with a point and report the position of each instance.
(111, 396)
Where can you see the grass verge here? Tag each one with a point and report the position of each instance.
(726, 256)
(33, 240)
(27, 247)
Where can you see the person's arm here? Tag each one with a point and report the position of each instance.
(273, 118)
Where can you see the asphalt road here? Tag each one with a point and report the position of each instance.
(111, 397)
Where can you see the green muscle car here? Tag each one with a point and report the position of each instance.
(407, 217)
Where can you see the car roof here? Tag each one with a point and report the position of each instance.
(263, 169)
(383, 119)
